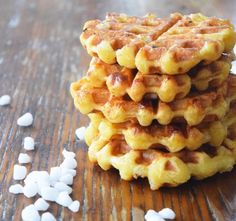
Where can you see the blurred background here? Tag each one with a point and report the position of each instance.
(40, 55)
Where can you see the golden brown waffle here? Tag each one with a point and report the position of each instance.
(120, 80)
(192, 39)
(173, 138)
(208, 28)
(194, 109)
(211, 75)
(162, 168)
(104, 38)
(146, 44)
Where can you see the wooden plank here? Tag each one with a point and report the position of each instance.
(40, 55)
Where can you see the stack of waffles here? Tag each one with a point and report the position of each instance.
(160, 96)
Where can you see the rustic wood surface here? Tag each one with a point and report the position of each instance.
(40, 55)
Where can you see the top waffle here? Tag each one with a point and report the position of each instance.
(169, 45)
(104, 38)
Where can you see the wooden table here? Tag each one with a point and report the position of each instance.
(40, 55)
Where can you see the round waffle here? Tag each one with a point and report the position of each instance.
(173, 138)
(104, 38)
(169, 46)
(162, 168)
(121, 81)
(193, 109)
(192, 39)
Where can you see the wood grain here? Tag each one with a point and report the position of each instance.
(40, 55)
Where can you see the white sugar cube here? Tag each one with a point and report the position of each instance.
(68, 154)
(16, 189)
(31, 177)
(28, 143)
(24, 158)
(30, 189)
(233, 64)
(67, 179)
(47, 217)
(64, 199)
(38, 176)
(167, 213)
(74, 206)
(43, 175)
(41, 205)
(60, 186)
(65, 171)
(5, 100)
(55, 173)
(52, 183)
(43, 180)
(49, 193)
(30, 213)
(19, 172)
(152, 215)
(69, 163)
(80, 133)
(25, 120)
(41, 184)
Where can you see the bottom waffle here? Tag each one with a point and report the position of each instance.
(163, 168)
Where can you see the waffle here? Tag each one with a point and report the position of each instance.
(121, 81)
(192, 39)
(162, 168)
(211, 75)
(193, 109)
(104, 38)
(169, 137)
(169, 46)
